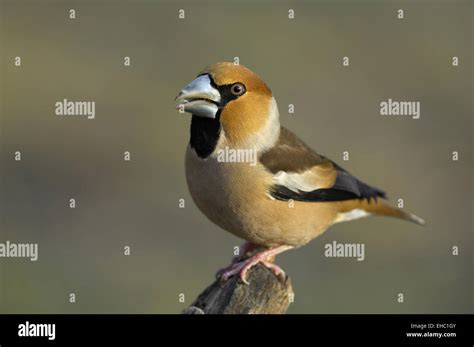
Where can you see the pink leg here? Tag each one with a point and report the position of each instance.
(263, 257)
(244, 251)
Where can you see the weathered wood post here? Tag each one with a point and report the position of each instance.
(266, 293)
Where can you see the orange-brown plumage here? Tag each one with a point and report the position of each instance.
(290, 195)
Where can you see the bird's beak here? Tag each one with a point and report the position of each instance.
(199, 98)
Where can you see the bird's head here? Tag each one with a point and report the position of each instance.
(233, 101)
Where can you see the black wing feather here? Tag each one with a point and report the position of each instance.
(346, 187)
(291, 154)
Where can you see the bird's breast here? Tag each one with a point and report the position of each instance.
(235, 196)
(222, 189)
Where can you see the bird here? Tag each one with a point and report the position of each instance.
(287, 195)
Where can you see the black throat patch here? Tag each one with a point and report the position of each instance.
(205, 134)
(205, 131)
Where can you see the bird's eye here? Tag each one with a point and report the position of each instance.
(237, 89)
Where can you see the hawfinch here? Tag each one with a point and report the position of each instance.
(282, 198)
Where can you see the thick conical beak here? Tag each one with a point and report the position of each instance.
(199, 98)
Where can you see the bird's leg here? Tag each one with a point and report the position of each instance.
(264, 257)
(244, 251)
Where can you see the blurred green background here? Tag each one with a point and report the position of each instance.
(135, 203)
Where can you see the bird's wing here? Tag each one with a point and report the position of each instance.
(301, 174)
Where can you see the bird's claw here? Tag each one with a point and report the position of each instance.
(242, 268)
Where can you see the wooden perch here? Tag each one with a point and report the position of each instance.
(266, 293)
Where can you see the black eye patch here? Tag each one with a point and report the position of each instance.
(226, 94)
(225, 91)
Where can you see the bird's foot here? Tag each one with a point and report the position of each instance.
(245, 251)
(243, 266)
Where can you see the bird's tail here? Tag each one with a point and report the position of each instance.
(381, 207)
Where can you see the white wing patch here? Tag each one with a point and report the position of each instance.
(296, 181)
(351, 215)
